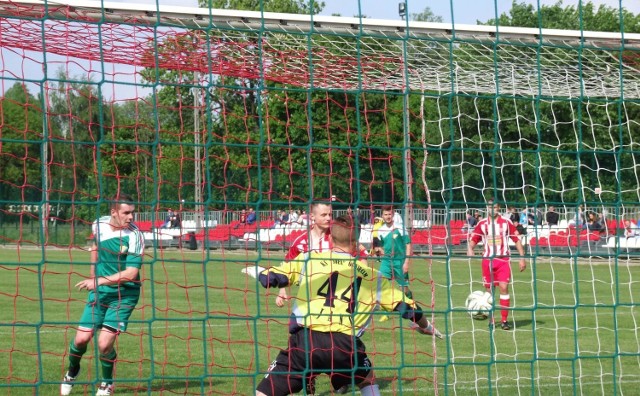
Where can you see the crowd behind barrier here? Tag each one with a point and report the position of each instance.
(440, 230)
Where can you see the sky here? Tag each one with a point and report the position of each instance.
(464, 12)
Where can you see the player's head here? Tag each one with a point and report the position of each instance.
(321, 214)
(343, 233)
(387, 214)
(493, 208)
(122, 208)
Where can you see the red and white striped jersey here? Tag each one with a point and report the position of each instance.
(495, 235)
(301, 245)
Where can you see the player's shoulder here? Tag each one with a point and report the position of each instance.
(101, 221)
(502, 220)
(301, 239)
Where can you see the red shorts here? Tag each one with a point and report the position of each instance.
(496, 270)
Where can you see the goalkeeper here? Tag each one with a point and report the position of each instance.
(393, 244)
(337, 295)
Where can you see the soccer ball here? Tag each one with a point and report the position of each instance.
(479, 304)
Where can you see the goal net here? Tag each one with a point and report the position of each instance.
(216, 113)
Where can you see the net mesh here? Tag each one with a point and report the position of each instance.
(209, 112)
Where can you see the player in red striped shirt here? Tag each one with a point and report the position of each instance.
(495, 231)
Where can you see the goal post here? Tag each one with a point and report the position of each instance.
(211, 112)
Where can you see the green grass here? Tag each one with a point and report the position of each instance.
(202, 327)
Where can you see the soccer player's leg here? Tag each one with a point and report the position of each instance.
(92, 315)
(502, 276)
(387, 272)
(115, 321)
(488, 282)
(350, 368)
(278, 381)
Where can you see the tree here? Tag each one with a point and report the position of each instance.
(21, 145)
(232, 108)
(426, 16)
(557, 132)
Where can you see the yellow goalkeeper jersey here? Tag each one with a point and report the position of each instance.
(338, 292)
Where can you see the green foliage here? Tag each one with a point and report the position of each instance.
(426, 16)
(21, 145)
(603, 18)
(285, 6)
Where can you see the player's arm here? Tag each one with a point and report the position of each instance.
(94, 260)
(407, 258)
(476, 236)
(130, 274)
(282, 296)
(281, 276)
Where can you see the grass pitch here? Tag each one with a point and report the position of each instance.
(203, 327)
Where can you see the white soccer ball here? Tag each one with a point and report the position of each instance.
(479, 304)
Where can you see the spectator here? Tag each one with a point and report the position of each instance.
(251, 217)
(168, 219)
(580, 219)
(303, 219)
(478, 216)
(532, 219)
(594, 222)
(176, 220)
(242, 219)
(363, 218)
(630, 230)
(552, 217)
(470, 222)
(282, 219)
(524, 217)
(512, 215)
(538, 217)
(293, 216)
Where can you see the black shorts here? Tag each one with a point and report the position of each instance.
(311, 353)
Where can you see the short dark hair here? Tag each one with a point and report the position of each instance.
(120, 199)
(388, 208)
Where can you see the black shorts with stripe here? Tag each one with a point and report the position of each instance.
(311, 353)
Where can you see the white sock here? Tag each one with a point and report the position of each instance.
(371, 390)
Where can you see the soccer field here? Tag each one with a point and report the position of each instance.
(203, 327)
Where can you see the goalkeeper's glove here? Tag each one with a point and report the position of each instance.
(253, 270)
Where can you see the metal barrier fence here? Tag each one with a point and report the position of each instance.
(437, 216)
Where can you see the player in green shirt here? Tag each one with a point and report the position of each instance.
(393, 244)
(114, 290)
(337, 295)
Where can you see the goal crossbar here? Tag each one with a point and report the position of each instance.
(368, 53)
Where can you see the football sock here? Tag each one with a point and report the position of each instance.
(371, 390)
(505, 302)
(108, 361)
(75, 355)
